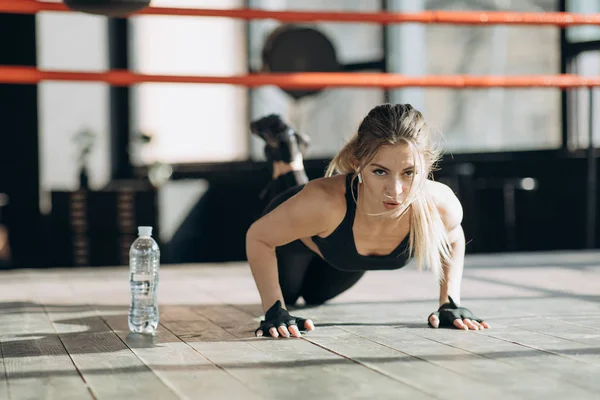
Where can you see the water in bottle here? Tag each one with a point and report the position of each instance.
(144, 264)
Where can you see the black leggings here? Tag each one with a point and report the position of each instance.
(301, 271)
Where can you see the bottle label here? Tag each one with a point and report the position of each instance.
(142, 284)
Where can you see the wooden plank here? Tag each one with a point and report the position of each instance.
(573, 354)
(108, 366)
(540, 370)
(36, 364)
(176, 363)
(487, 363)
(509, 308)
(447, 356)
(188, 328)
(563, 258)
(586, 321)
(562, 328)
(275, 367)
(3, 376)
(413, 371)
(554, 281)
(424, 363)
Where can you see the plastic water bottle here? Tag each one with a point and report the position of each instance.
(144, 264)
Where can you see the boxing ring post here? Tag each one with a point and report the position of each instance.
(120, 109)
(592, 187)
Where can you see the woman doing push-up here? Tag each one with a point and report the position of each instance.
(375, 209)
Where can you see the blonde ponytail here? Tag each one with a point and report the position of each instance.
(342, 162)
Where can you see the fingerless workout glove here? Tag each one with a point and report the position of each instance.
(449, 312)
(277, 316)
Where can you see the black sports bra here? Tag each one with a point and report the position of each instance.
(339, 248)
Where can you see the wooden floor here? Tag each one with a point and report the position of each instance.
(63, 335)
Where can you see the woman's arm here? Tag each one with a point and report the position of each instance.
(451, 213)
(306, 214)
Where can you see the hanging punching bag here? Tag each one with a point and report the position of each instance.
(109, 8)
(291, 48)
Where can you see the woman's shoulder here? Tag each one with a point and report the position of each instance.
(330, 191)
(446, 202)
(438, 190)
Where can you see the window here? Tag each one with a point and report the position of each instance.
(190, 123)
(69, 108)
(482, 120)
(583, 49)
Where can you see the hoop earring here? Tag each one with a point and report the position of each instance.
(359, 178)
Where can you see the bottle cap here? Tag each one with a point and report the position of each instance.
(144, 231)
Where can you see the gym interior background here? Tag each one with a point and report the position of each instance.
(83, 164)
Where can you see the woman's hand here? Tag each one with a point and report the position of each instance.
(450, 315)
(279, 322)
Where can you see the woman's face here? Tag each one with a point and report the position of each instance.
(387, 178)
